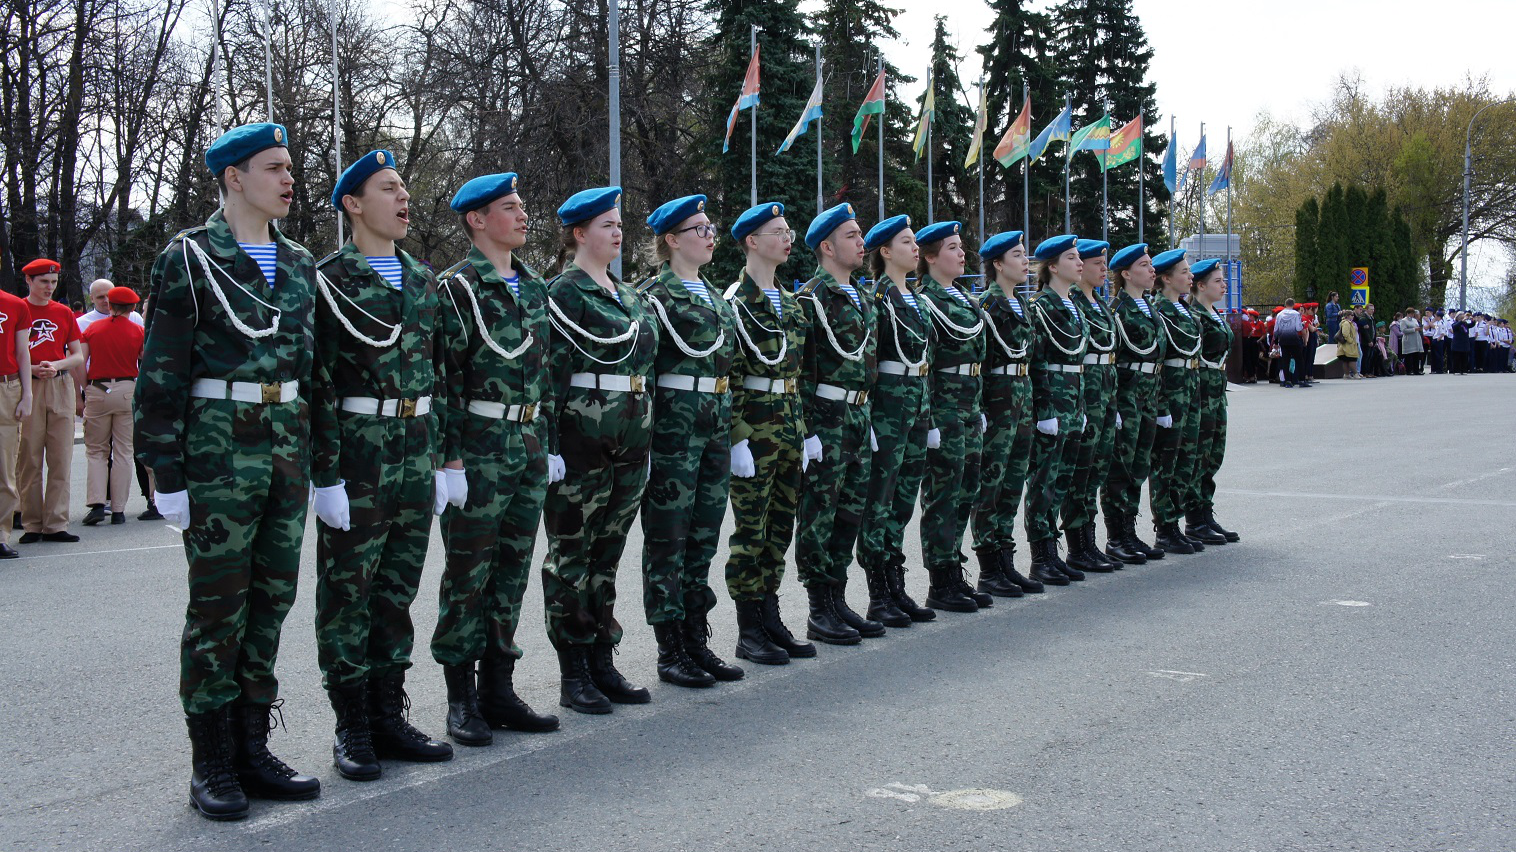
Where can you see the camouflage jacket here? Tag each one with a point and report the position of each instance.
(960, 342)
(411, 367)
(477, 369)
(851, 325)
(1216, 335)
(1137, 331)
(764, 335)
(686, 317)
(1182, 333)
(1006, 328)
(1100, 324)
(1061, 339)
(905, 333)
(191, 334)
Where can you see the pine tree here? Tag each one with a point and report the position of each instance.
(957, 190)
(1331, 245)
(1307, 224)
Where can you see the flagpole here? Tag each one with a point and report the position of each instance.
(1105, 191)
(614, 117)
(1231, 171)
(1173, 243)
(1026, 175)
(1068, 214)
(268, 57)
(336, 114)
(884, 96)
(984, 115)
(820, 194)
(930, 190)
(1142, 198)
(753, 140)
(1200, 249)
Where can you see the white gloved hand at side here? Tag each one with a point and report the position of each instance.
(813, 448)
(984, 424)
(174, 507)
(332, 506)
(933, 438)
(457, 486)
(1048, 426)
(1166, 421)
(1118, 420)
(555, 469)
(742, 460)
(873, 441)
(439, 498)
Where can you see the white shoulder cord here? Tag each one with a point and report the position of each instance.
(784, 339)
(211, 268)
(462, 323)
(856, 354)
(679, 341)
(1126, 339)
(1042, 319)
(1171, 328)
(484, 331)
(1100, 350)
(1013, 354)
(326, 287)
(955, 331)
(559, 320)
(895, 328)
(1221, 363)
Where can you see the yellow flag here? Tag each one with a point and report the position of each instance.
(979, 124)
(928, 110)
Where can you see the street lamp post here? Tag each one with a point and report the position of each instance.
(1468, 174)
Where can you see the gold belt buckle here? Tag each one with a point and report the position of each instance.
(406, 408)
(863, 397)
(273, 393)
(637, 384)
(923, 370)
(529, 412)
(789, 385)
(722, 384)
(974, 368)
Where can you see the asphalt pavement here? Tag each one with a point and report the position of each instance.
(1340, 679)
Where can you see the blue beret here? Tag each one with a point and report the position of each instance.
(754, 218)
(823, 225)
(1092, 248)
(1000, 244)
(936, 231)
(1128, 256)
(668, 215)
(1054, 246)
(482, 190)
(885, 231)
(239, 143)
(361, 170)
(1204, 266)
(1166, 260)
(586, 204)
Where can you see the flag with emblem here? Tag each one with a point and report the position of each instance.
(812, 112)
(1017, 140)
(978, 140)
(924, 123)
(1126, 144)
(873, 104)
(1095, 136)
(746, 100)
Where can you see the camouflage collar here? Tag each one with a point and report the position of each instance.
(224, 245)
(357, 265)
(581, 279)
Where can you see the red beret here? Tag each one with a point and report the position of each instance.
(1253, 312)
(41, 266)
(1278, 308)
(122, 296)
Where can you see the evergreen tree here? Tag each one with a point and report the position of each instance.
(957, 189)
(1307, 223)
(1331, 245)
(1019, 53)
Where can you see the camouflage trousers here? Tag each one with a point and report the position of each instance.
(247, 489)
(685, 502)
(1092, 459)
(1173, 448)
(950, 485)
(489, 541)
(763, 505)
(1007, 453)
(1049, 474)
(832, 498)
(1131, 460)
(604, 436)
(367, 576)
(1210, 447)
(900, 419)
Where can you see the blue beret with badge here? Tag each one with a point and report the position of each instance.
(885, 231)
(672, 213)
(586, 204)
(754, 218)
(937, 231)
(1053, 246)
(239, 143)
(1127, 256)
(1166, 260)
(1203, 267)
(1091, 248)
(482, 190)
(1000, 244)
(361, 170)
(830, 220)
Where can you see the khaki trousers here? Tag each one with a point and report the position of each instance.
(47, 437)
(108, 442)
(10, 444)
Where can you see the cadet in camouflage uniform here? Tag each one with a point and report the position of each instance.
(604, 341)
(226, 381)
(495, 329)
(768, 430)
(1057, 403)
(1139, 356)
(900, 418)
(1008, 409)
(1216, 341)
(836, 376)
(951, 484)
(1178, 381)
(1093, 448)
(685, 501)
(378, 474)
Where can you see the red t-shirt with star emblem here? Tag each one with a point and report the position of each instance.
(15, 317)
(53, 328)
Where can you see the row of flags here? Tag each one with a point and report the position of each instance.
(1175, 179)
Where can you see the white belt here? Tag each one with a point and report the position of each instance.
(1063, 368)
(900, 368)
(764, 385)
(1010, 370)
(837, 394)
(1140, 366)
(500, 411)
(609, 381)
(245, 391)
(703, 384)
(402, 408)
(1100, 358)
(961, 370)
(1180, 362)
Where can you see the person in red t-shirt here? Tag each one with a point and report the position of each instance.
(15, 398)
(111, 349)
(47, 435)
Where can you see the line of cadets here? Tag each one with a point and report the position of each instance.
(385, 394)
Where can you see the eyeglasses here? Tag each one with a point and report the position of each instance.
(789, 234)
(705, 231)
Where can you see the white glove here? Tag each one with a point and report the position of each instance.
(1118, 420)
(1084, 422)
(873, 441)
(933, 438)
(1166, 421)
(439, 499)
(742, 460)
(813, 448)
(457, 486)
(174, 507)
(555, 469)
(984, 423)
(332, 506)
(1048, 426)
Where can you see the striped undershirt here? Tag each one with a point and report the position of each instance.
(697, 288)
(910, 299)
(1142, 305)
(1016, 306)
(776, 299)
(1183, 309)
(267, 257)
(1069, 303)
(514, 282)
(852, 293)
(388, 269)
(956, 293)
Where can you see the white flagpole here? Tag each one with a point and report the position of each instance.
(331, 10)
(614, 118)
(820, 193)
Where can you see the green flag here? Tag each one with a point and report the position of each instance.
(1095, 136)
(873, 104)
(1126, 144)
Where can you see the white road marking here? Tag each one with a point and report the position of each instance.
(973, 799)
(1346, 603)
(100, 552)
(1182, 677)
(1466, 556)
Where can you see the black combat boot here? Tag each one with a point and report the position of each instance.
(1045, 563)
(1116, 546)
(674, 665)
(882, 606)
(578, 691)
(981, 599)
(465, 722)
(824, 624)
(1008, 570)
(261, 774)
(395, 738)
(1210, 521)
(1170, 539)
(1137, 545)
(1081, 557)
(1091, 546)
(779, 634)
(214, 790)
(1074, 574)
(946, 590)
(499, 704)
(695, 630)
(611, 682)
(1195, 526)
(353, 750)
(753, 642)
(992, 579)
(866, 628)
(894, 573)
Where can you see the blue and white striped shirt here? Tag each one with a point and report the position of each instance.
(956, 293)
(1183, 309)
(1016, 306)
(852, 293)
(1069, 303)
(776, 299)
(697, 288)
(910, 299)
(514, 282)
(1142, 305)
(267, 256)
(388, 268)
